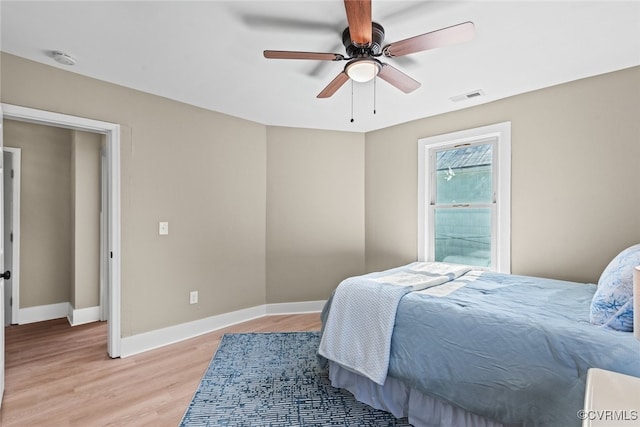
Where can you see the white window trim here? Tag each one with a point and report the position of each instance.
(501, 131)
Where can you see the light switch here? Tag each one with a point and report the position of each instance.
(163, 228)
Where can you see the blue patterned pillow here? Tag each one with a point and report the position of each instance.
(612, 304)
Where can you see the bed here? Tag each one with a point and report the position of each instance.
(462, 347)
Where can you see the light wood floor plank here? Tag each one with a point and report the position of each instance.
(58, 375)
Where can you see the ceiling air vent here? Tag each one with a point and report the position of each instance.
(465, 96)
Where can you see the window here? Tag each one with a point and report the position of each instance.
(464, 197)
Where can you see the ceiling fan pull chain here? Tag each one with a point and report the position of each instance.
(352, 101)
(374, 95)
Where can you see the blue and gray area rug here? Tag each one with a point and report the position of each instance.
(273, 379)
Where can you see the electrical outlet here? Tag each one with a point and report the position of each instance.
(193, 297)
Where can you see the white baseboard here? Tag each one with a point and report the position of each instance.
(139, 343)
(80, 316)
(41, 313)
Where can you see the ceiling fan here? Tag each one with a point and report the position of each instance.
(363, 42)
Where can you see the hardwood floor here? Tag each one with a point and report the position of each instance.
(60, 376)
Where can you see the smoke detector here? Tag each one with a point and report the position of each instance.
(63, 58)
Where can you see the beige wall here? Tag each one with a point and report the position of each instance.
(201, 171)
(60, 213)
(315, 212)
(85, 211)
(45, 214)
(266, 214)
(206, 174)
(575, 177)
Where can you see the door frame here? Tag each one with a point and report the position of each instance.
(112, 137)
(15, 213)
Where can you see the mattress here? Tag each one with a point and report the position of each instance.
(514, 349)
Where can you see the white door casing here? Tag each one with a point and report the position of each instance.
(112, 137)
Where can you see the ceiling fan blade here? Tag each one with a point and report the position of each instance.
(439, 38)
(359, 18)
(334, 85)
(320, 66)
(289, 54)
(398, 79)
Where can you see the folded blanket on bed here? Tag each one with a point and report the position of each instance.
(372, 300)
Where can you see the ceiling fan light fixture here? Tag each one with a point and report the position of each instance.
(363, 70)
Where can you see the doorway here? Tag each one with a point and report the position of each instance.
(111, 211)
(57, 177)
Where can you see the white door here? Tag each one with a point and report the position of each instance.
(1, 268)
(7, 166)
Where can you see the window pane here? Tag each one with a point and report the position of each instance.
(463, 236)
(464, 175)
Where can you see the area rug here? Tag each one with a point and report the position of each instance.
(273, 379)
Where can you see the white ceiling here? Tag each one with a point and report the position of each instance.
(209, 53)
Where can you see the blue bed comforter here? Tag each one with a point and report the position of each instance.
(514, 349)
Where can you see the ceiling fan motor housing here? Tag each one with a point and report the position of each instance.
(354, 51)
